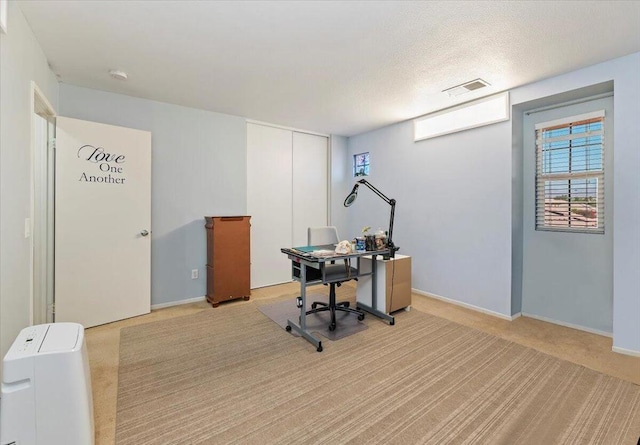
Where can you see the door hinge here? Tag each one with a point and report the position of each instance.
(51, 315)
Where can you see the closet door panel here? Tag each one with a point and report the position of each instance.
(310, 184)
(269, 202)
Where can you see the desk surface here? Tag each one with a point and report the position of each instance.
(321, 254)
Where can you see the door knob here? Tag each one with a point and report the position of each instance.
(144, 233)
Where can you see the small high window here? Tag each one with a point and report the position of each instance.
(361, 164)
(570, 174)
(485, 111)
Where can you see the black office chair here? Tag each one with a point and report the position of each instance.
(321, 236)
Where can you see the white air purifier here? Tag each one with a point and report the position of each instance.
(46, 388)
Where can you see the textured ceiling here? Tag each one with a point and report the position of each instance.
(329, 66)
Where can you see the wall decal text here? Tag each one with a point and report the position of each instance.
(110, 163)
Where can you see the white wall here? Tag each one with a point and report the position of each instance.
(568, 277)
(199, 163)
(625, 74)
(454, 193)
(341, 184)
(453, 213)
(21, 61)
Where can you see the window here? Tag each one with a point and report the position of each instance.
(485, 111)
(361, 164)
(570, 174)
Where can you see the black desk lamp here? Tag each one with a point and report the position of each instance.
(392, 202)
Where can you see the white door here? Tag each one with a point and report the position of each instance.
(269, 203)
(310, 184)
(287, 189)
(102, 222)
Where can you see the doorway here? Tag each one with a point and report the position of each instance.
(42, 208)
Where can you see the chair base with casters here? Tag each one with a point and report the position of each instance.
(332, 307)
(333, 273)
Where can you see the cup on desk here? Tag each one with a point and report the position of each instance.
(360, 243)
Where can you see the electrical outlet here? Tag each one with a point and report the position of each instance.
(194, 274)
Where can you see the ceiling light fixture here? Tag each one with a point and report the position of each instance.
(117, 74)
(466, 87)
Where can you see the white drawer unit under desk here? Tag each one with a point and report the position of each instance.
(393, 283)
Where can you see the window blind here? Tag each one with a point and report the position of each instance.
(570, 174)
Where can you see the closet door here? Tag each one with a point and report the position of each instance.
(310, 184)
(269, 202)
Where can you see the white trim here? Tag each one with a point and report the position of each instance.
(282, 127)
(568, 120)
(272, 284)
(177, 303)
(568, 325)
(36, 90)
(466, 305)
(524, 314)
(570, 102)
(329, 179)
(624, 351)
(41, 254)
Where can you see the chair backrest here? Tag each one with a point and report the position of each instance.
(319, 236)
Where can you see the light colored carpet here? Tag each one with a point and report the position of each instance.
(346, 322)
(231, 376)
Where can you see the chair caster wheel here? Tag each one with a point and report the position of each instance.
(346, 304)
(332, 327)
(319, 348)
(313, 305)
(392, 322)
(288, 328)
(361, 317)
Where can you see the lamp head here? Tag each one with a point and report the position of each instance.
(351, 196)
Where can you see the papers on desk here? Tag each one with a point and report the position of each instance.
(305, 249)
(316, 251)
(323, 253)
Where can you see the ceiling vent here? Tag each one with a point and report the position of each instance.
(466, 87)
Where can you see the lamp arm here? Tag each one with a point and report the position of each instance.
(376, 191)
(392, 202)
(393, 211)
(390, 245)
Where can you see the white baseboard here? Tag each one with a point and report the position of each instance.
(624, 351)
(569, 325)
(177, 303)
(465, 305)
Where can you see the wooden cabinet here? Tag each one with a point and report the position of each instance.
(228, 258)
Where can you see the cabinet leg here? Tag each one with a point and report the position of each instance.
(246, 297)
(215, 304)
